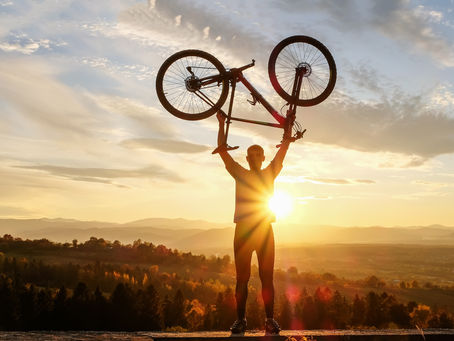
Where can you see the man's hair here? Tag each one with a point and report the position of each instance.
(255, 147)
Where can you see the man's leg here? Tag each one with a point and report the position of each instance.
(265, 257)
(243, 254)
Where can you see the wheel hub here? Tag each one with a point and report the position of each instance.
(304, 68)
(192, 83)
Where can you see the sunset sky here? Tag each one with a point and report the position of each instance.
(83, 135)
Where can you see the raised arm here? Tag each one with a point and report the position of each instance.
(280, 155)
(221, 133)
(277, 163)
(222, 146)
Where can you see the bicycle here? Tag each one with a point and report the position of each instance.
(193, 84)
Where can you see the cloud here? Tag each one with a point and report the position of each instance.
(13, 211)
(176, 25)
(31, 87)
(23, 44)
(103, 175)
(389, 126)
(443, 97)
(366, 77)
(398, 21)
(395, 19)
(138, 71)
(432, 184)
(400, 124)
(344, 13)
(403, 161)
(168, 146)
(364, 181)
(324, 181)
(329, 181)
(148, 119)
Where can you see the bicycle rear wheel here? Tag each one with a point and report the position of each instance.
(319, 70)
(190, 85)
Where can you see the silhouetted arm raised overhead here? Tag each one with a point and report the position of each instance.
(277, 163)
(231, 165)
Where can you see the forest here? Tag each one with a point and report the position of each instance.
(100, 285)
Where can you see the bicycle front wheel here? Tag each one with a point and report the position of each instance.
(191, 85)
(319, 70)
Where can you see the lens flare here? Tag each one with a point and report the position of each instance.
(281, 203)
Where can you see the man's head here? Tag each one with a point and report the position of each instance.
(255, 157)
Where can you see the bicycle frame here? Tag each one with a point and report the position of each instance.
(286, 123)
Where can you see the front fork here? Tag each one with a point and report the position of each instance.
(291, 112)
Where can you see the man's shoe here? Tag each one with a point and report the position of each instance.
(239, 326)
(271, 326)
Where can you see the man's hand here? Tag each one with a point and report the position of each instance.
(220, 117)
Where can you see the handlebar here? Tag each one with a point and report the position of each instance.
(241, 69)
(247, 66)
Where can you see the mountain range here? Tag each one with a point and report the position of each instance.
(212, 238)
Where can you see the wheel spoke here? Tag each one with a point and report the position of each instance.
(319, 69)
(180, 87)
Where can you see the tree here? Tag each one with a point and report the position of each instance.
(254, 311)
(339, 311)
(225, 309)
(358, 311)
(285, 313)
(309, 313)
(398, 314)
(178, 308)
(60, 309)
(446, 321)
(167, 312)
(420, 315)
(209, 318)
(374, 311)
(28, 307)
(43, 308)
(123, 304)
(195, 314)
(415, 284)
(79, 307)
(149, 312)
(374, 282)
(100, 310)
(322, 300)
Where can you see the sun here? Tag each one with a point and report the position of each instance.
(281, 204)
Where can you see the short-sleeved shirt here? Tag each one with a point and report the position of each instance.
(253, 189)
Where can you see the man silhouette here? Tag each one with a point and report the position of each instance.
(253, 218)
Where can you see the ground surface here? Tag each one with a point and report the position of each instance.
(290, 335)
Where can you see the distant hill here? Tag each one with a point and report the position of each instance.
(207, 237)
(11, 225)
(297, 234)
(170, 232)
(177, 223)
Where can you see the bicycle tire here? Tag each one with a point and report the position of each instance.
(179, 99)
(318, 82)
